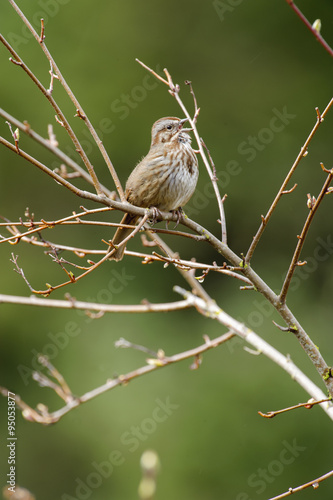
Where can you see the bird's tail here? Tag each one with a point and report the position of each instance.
(120, 235)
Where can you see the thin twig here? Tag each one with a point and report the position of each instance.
(174, 91)
(74, 279)
(41, 225)
(307, 405)
(44, 417)
(211, 310)
(15, 136)
(25, 127)
(187, 275)
(315, 32)
(314, 483)
(78, 107)
(58, 178)
(125, 344)
(59, 114)
(301, 239)
(282, 190)
(258, 283)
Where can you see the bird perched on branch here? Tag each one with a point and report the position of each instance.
(164, 179)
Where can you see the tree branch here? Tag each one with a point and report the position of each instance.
(174, 91)
(25, 127)
(314, 31)
(314, 483)
(59, 114)
(303, 152)
(72, 303)
(211, 310)
(313, 206)
(308, 405)
(42, 415)
(79, 110)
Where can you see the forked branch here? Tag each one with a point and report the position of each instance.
(79, 111)
(60, 117)
(283, 189)
(42, 415)
(212, 311)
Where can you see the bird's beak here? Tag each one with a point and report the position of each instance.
(181, 123)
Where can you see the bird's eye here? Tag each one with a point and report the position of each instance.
(169, 127)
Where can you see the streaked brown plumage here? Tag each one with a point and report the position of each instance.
(166, 178)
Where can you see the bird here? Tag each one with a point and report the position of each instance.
(165, 179)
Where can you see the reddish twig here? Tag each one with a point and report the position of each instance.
(307, 405)
(73, 279)
(42, 36)
(314, 31)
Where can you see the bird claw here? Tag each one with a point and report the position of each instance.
(156, 213)
(179, 213)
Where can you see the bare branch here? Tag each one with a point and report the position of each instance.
(314, 483)
(39, 226)
(153, 72)
(224, 250)
(308, 405)
(314, 205)
(41, 415)
(80, 113)
(282, 190)
(314, 31)
(59, 114)
(73, 279)
(72, 303)
(58, 178)
(174, 91)
(50, 145)
(15, 136)
(211, 310)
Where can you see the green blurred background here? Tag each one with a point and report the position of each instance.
(247, 61)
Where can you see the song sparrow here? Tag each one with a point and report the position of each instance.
(166, 178)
